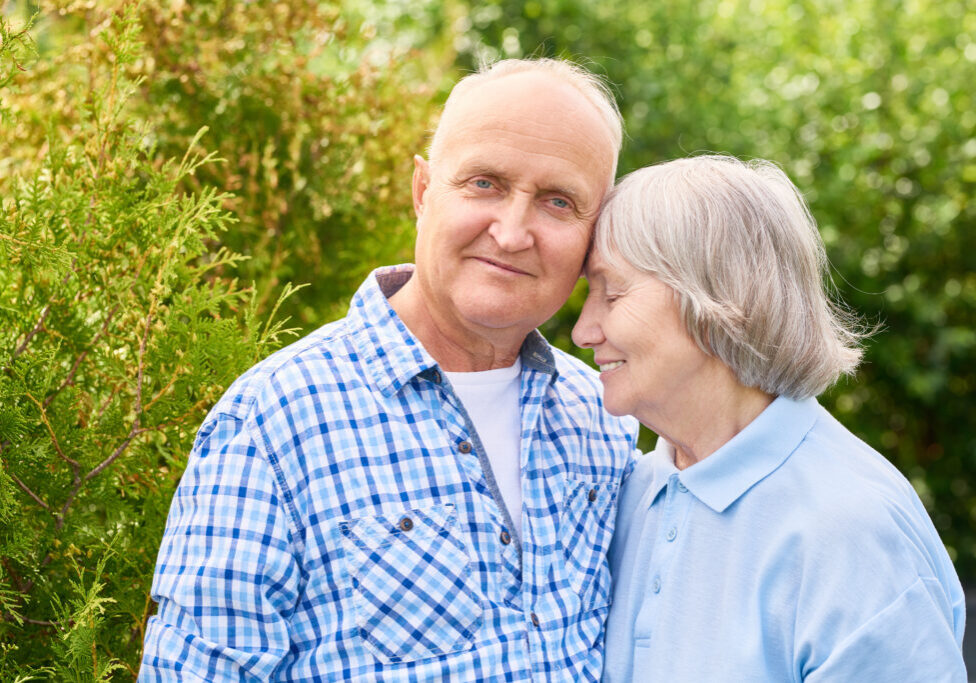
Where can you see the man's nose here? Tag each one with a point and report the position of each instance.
(512, 227)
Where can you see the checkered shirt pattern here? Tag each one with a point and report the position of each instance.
(337, 521)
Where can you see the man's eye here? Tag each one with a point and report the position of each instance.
(560, 203)
(482, 184)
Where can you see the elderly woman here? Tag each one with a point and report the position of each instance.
(761, 540)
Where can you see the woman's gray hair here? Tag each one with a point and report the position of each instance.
(590, 85)
(736, 243)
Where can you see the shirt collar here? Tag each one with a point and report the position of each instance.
(393, 354)
(537, 354)
(746, 459)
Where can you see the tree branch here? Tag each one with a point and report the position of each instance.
(106, 404)
(134, 431)
(74, 368)
(15, 240)
(75, 465)
(161, 392)
(98, 469)
(36, 622)
(30, 335)
(39, 325)
(27, 490)
(14, 575)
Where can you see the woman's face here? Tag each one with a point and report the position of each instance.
(646, 357)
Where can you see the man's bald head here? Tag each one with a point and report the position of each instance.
(593, 89)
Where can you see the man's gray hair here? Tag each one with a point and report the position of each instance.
(593, 88)
(738, 246)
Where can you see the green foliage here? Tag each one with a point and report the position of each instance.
(80, 621)
(120, 326)
(869, 107)
(318, 124)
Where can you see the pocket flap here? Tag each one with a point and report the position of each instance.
(379, 530)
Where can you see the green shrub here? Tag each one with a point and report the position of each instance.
(318, 124)
(117, 332)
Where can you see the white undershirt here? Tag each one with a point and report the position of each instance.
(491, 398)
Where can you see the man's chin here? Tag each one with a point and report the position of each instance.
(499, 316)
(505, 311)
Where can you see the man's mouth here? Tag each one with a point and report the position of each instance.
(501, 265)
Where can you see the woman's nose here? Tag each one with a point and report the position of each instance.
(586, 331)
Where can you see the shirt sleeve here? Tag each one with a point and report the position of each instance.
(910, 640)
(227, 572)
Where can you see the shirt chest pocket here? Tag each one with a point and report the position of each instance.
(412, 581)
(585, 530)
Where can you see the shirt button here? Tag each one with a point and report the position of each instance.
(535, 619)
(682, 487)
(672, 532)
(505, 537)
(591, 496)
(406, 524)
(656, 584)
(464, 446)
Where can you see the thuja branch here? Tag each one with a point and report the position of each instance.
(134, 431)
(75, 465)
(98, 469)
(162, 392)
(39, 325)
(33, 332)
(26, 489)
(16, 241)
(69, 379)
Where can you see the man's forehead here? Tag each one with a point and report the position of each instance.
(532, 104)
(594, 267)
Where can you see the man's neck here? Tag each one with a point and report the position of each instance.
(456, 346)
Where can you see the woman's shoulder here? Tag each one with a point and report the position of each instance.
(848, 505)
(837, 471)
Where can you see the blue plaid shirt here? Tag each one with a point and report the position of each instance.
(338, 521)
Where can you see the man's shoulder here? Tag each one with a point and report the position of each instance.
(579, 385)
(316, 358)
(576, 375)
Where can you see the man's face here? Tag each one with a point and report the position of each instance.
(506, 206)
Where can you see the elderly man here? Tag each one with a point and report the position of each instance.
(424, 490)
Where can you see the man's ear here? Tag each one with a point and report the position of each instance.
(421, 181)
